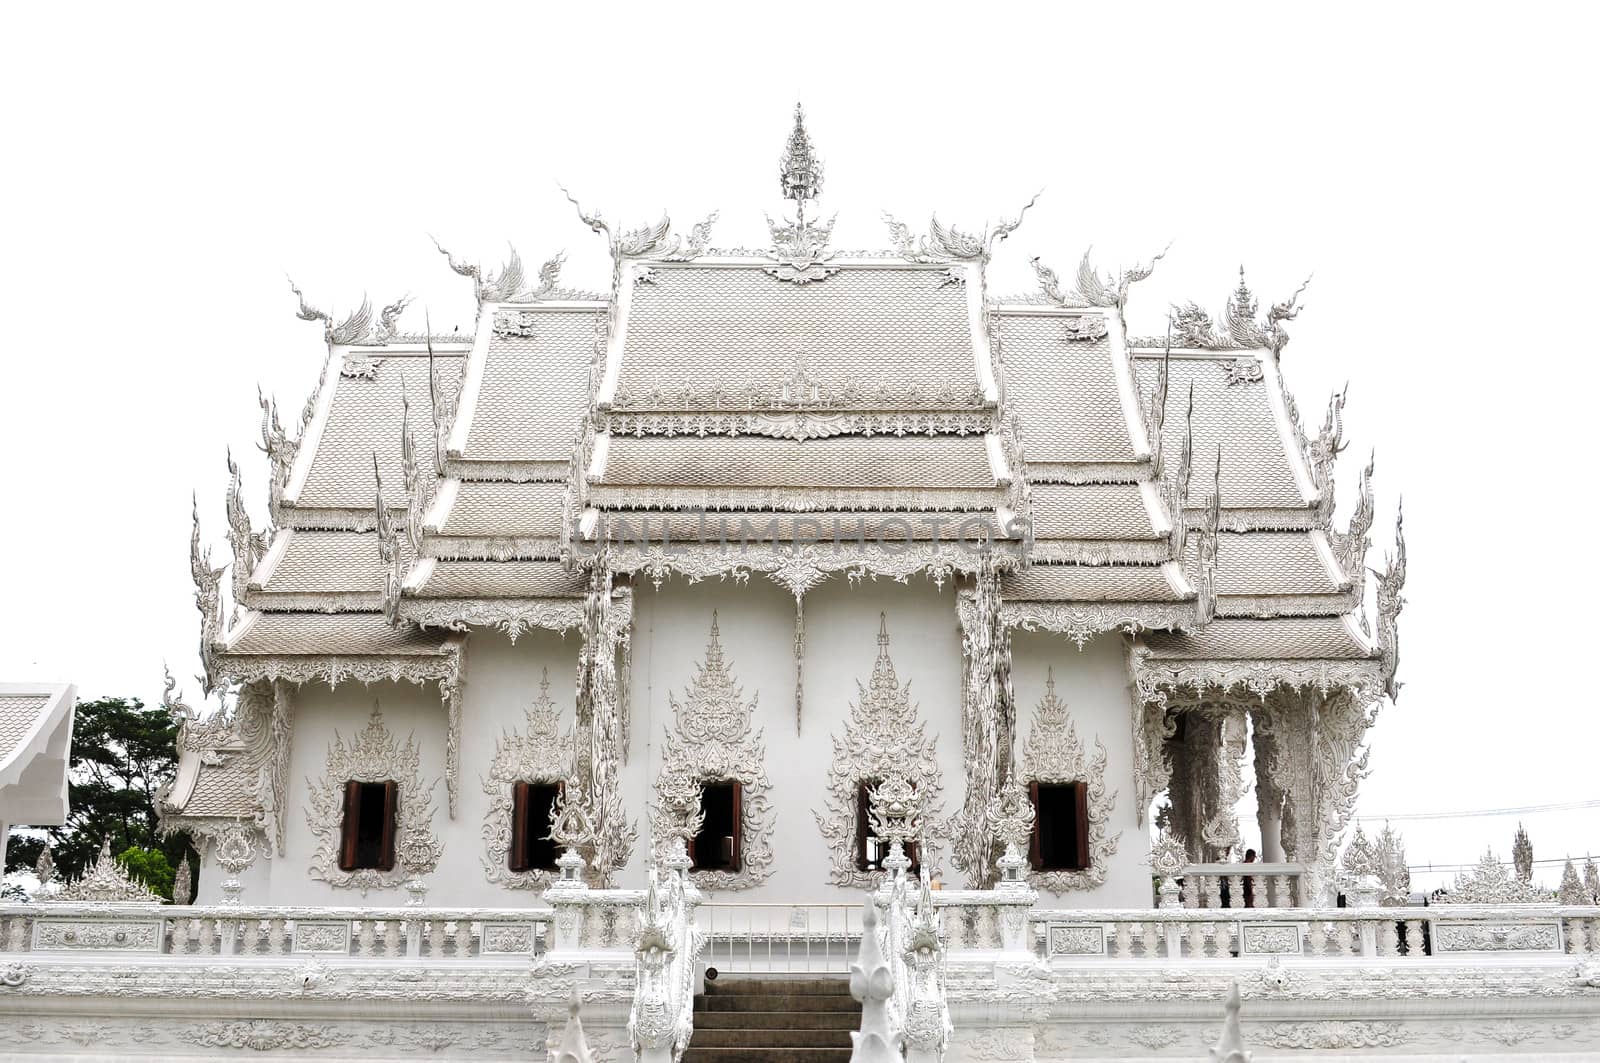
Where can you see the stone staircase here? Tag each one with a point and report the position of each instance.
(773, 1020)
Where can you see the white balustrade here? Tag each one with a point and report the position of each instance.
(780, 938)
(1252, 885)
(249, 932)
(1393, 934)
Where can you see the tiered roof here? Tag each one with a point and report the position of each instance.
(802, 412)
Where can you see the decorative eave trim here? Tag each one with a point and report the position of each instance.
(1255, 519)
(1270, 605)
(1081, 622)
(443, 669)
(329, 518)
(1087, 472)
(1101, 551)
(795, 499)
(639, 422)
(801, 568)
(311, 438)
(509, 472)
(1260, 678)
(467, 402)
(512, 616)
(316, 602)
(493, 547)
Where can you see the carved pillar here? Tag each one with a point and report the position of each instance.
(1180, 785)
(1221, 830)
(988, 725)
(282, 729)
(1269, 794)
(1196, 750)
(1152, 762)
(1289, 730)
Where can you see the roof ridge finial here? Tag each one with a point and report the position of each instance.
(800, 170)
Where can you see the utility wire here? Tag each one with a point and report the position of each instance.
(1524, 810)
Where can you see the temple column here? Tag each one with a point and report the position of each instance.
(1269, 795)
(1195, 751)
(1221, 830)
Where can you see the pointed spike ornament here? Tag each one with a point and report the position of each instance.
(872, 983)
(1230, 1046)
(574, 1047)
(1391, 600)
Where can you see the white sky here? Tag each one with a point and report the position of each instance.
(1436, 171)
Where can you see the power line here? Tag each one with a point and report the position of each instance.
(1522, 811)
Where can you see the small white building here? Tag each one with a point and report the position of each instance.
(35, 753)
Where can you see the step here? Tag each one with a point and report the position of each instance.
(766, 1055)
(774, 1002)
(739, 984)
(771, 1037)
(776, 1020)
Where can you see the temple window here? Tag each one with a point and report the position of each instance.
(716, 847)
(366, 839)
(1060, 826)
(871, 850)
(532, 849)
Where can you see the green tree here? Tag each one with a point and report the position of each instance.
(122, 753)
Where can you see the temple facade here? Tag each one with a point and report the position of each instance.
(651, 626)
(768, 525)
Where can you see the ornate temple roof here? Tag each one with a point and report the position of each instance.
(843, 412)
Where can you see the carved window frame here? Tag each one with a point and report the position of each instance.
(713, 740)
(373, 755)
(882, 736)
(539, 754)
(1054, 753)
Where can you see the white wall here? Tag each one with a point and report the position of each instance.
(672, 626)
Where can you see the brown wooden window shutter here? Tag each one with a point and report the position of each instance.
(1080, 803)
(520, 810)
(391, 805)
(350, 828)
(1035, 850)
(861, 824)
(737, 862)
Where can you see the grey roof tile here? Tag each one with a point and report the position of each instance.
(1325, 638)
(1064, 393)
(697, 329)
(1256, 473)
(534, 390)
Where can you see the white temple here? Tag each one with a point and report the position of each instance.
(652, 627)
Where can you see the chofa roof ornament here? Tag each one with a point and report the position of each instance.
(800, 246)
(800, 170)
